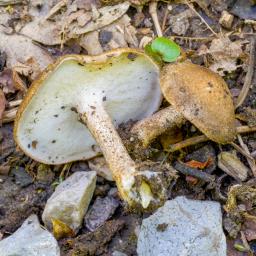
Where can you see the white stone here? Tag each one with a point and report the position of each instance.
(30, 240)
(70, 200)
(183, 227)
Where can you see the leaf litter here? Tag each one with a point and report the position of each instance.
(31, 33)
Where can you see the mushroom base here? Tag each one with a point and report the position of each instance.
(140, 187)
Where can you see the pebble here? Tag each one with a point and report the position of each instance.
(70, 200)
(183, 227)
(21, 177)
(100, 212)
(30, 240)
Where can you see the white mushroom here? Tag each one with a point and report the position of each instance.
(101, 92)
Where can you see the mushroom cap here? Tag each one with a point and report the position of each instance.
(47, 126)
(202, 96)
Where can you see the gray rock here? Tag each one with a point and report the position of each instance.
(101, 211)
(183, 227)
(22, 178)
(70, 200)
(30, 240)
(117, 253)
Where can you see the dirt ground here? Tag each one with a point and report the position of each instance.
(219, 35)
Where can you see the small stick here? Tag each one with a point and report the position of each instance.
(9, 115)
(153, 13)
(202, 138)
(188, 142)
(186, 170)
(249, 75)
(241, 150)
(165, 18)
(250, 161)
(14, 103)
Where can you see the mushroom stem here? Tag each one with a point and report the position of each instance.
(134, 186)
(151, 127)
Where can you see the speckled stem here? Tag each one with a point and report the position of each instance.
(120, 163)
(150, 128)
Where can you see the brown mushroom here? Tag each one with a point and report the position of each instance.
(77, 103)
(196, 94)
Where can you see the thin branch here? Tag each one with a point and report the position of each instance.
(153, 13)
(250, 161)
(241, 150)
(202, 138)
(249, 75)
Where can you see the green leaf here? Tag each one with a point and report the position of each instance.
(153, 55)
(163, 48)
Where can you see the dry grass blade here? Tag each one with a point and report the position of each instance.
(56, 8)
(249, 75)
(241, 150)
(9, 115)
(153, 13)
(251, 162)
(203, 20)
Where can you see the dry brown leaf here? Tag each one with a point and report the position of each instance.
(224, 53)
(180, 22)
(2, 103)
(90, 42)
(123, 34)
(6, 81)
(43, 31)
(20, 50)
(108, 15)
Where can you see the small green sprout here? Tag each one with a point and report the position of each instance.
(163, 49)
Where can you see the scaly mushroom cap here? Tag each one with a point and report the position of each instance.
(47, 127)
(202, 97)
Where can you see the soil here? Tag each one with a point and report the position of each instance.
(25, 185)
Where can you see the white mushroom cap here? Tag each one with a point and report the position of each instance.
(47, 127)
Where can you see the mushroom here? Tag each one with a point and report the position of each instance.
(196, 94)
(71, 111)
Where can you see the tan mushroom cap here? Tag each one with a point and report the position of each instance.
(47, 127)
(203, 97)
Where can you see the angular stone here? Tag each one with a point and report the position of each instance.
(183, 227)
(101, 211)
(70, 200)
(30, 240)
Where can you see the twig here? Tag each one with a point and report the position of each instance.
(55, 9)
(188, 142)
(165, 18)
(241, 150)
(186, 170)
(203, 20)
(249, 74)
(153, 13)
(202, 138)
(9, 115)
(14, 103)
(251, 162)
(193, 38)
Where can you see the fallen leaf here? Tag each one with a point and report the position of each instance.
(20, 50)
(2, 103)
(224, 54)
(90, 42)
(108, 14)
(43, 31)
(199, 165)
(6, 81)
